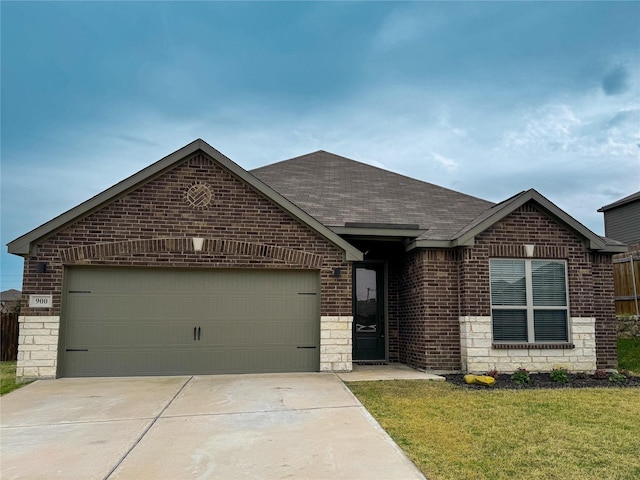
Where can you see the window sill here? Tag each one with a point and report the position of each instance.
(532, 346)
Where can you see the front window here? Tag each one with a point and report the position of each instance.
(529, 300)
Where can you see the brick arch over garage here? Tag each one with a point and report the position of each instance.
(100, 251)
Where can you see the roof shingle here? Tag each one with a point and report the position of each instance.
(337, 190)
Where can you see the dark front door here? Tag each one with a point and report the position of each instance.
(368, 312)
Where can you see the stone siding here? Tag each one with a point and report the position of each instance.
(336, 343)
(38, 347)
(479, 355)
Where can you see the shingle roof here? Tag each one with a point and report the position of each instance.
(339, 191)
(622, 201)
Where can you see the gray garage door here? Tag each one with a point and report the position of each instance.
(120, 321)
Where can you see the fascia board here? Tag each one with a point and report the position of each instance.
(615, 249)
(428, 244)
(595, 242)
(377, 232)
(352, 254)
(468, 238)
(22, 245)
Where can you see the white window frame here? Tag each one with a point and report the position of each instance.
(529, 307)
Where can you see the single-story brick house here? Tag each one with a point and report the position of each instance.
(196, 266)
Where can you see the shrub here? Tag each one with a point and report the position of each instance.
(560, 375)
(521, 377)
(618, 378)
(600, 374)
(493, 373)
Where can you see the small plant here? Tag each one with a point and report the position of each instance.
(581, 376)
(600, 374)
(493, 373)
(618, 378)
(521, 377)
(560, 375)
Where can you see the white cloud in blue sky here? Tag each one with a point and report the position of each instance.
(485, 98)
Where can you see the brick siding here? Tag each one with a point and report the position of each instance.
(604, 311)
(429, 330)
(157, 212)
(394, 274)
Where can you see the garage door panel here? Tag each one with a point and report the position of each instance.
(250, 332)
(141, 321)
(244, 360)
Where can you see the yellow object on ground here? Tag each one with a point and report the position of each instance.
(480, 380)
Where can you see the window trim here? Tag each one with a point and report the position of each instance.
(529, 307)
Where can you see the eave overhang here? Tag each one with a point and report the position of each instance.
(374, 233)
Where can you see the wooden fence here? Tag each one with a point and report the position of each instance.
(626, 281)
(9, 335)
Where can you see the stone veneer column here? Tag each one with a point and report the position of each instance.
(37, 347)
(478, 356)
(336, 344)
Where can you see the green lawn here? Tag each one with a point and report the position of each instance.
(629, 354)
(453, 433)
(8, 377)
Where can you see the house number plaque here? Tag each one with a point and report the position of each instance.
(40, 301)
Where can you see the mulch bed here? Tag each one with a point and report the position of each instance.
(543, 380)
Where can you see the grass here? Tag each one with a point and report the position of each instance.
(453, 433)
(8, 378)
(629, 354)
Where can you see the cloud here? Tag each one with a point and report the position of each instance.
(616, 81)
(447, 163)
(625, 117)
(551, 127)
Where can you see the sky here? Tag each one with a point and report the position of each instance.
(486, 98)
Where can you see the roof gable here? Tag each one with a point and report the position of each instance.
(24, 244)
(466, 236)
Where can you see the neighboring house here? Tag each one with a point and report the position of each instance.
(622, 222)
(197, 266)
(9, 300)
(622, 219)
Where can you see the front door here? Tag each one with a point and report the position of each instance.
(368, 312)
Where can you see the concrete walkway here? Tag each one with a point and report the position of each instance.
(225, 427)
(393, 371)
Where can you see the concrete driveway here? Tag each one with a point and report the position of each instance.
(264, 426)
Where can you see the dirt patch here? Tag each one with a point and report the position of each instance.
(543, 380)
